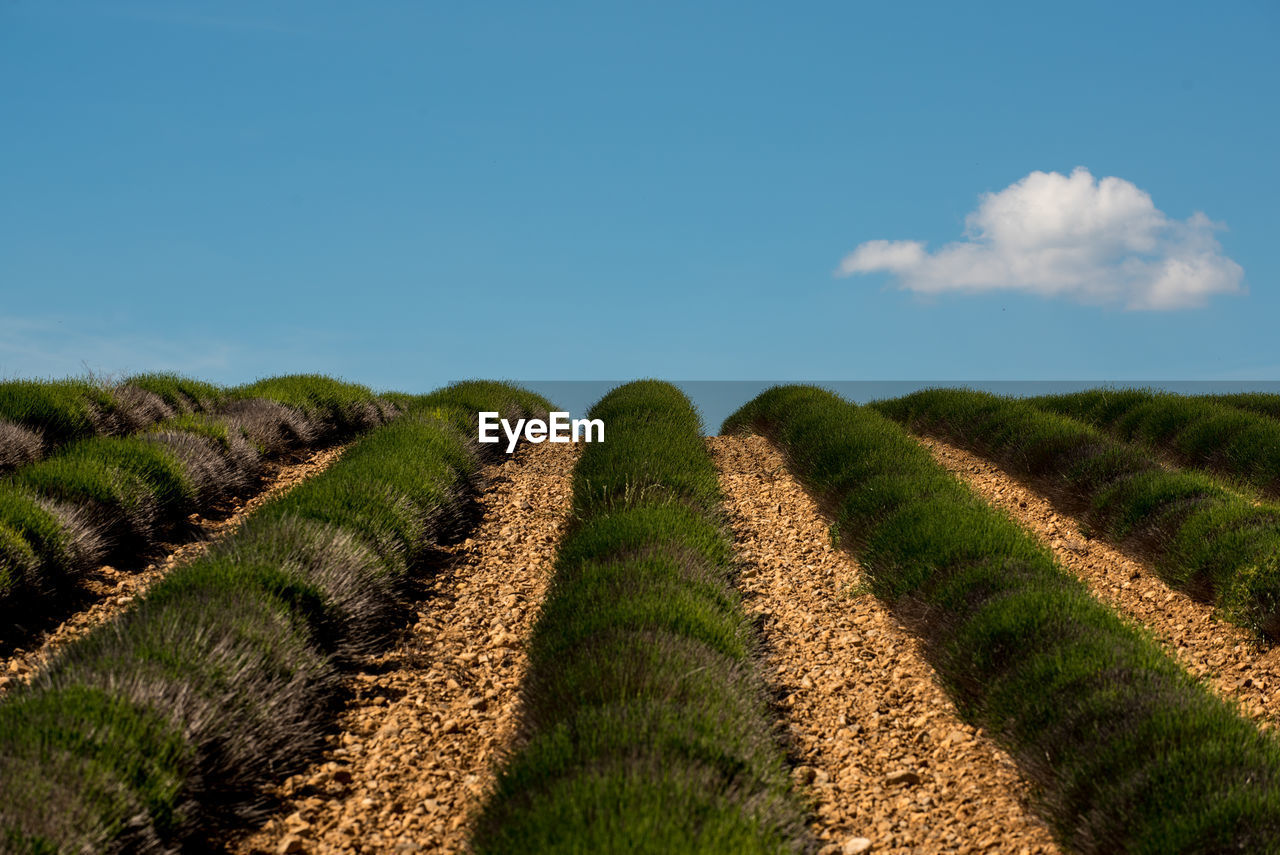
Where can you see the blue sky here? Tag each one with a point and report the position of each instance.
(406, 193)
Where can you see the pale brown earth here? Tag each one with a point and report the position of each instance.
(429, 721)
(1231, 659)
(106, 591)
(889, 763)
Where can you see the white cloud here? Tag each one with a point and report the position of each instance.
(1094, 241)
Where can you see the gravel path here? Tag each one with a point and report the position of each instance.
(104, 592)
(1227, 656)
(890, 765)
(419, 742)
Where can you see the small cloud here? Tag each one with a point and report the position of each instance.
(1094, 241)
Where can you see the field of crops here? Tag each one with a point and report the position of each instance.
(299, 616)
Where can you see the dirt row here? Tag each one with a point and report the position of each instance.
(875, 740)
(428, 721)
(106, 591)
(889, 764)
(1225, 655)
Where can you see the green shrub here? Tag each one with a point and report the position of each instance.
(340, 408)
(1240, 445)
(121, 758)
(60, 550)
(461, 403)
(1254, 402)
(184, 394)
(19, 566)
(199, 424)
(131, 488)
(398, 498)
(18, 445)
(473, 396)
(1203, 538)
(60, 410)
(125, 492)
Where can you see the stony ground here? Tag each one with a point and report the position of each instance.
(1229, 658)
(890, 766)
(878, 745)
(105, 592)
(419, 743)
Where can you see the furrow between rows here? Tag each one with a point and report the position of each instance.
(426, 721)
(890, 765)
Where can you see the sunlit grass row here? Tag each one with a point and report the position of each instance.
(1262, 403)
(114, 498)
(37, 417)
(645, 726)
(1202, 537)
(1206, 432)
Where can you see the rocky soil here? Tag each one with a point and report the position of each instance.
(890, 766)
(106, 591)
(429, 721)
(1228, 657)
